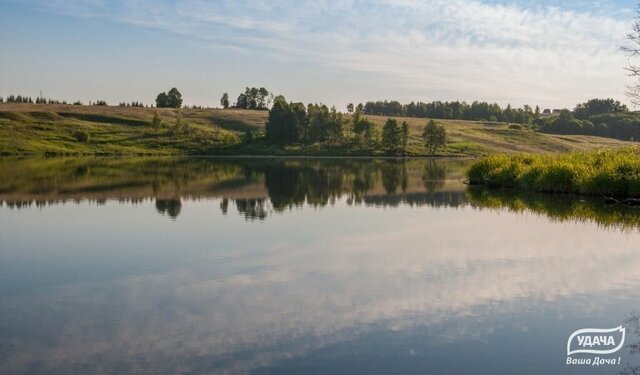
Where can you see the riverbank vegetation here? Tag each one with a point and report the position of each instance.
(605, 172)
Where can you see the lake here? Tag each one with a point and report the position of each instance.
(290, 266)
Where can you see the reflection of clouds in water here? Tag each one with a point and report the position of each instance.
(251, 310)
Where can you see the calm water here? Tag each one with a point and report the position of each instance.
(291, 266)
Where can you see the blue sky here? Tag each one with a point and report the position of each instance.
(554, 54)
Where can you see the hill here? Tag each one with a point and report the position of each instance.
(70, 129)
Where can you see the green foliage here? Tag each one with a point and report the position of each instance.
(434, 136)
(282, 126)
(363, 129)
(624, 126)
(482, 111)
(172, 99)
(224, 101)
(610, 172)
(82, 136)
(350, 108)
(597, 107)
(404, 135)
(391, 135)
(181, 126)
(255, 98)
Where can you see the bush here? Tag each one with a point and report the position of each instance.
(82, 136)
(516, 127)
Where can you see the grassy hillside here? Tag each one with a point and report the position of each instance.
(52, 129)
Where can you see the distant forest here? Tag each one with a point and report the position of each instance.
(451, 110)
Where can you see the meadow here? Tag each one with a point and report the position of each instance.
(53, 129)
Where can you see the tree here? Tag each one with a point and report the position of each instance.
(350, 107)
(172, 99)
(597, 107)
(434, 136)
(633, 50)
(405, 136)
(390, 135)
(224, 101)
(282, 124)
(255, 98)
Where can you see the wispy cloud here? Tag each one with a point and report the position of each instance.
(509, 52)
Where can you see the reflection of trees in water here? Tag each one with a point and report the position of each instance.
(557, 207)
(391, 176)
(252, 208)
(438, 199)
(171, 207)
(633, 328)
(434, 175)
(287, 182)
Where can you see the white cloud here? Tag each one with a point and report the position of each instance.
(410, 49)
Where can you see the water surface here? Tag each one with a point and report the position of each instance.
(167, 265)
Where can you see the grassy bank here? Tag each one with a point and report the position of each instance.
(38, 129)
(605, 172)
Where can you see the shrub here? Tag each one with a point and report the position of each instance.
(81, 136)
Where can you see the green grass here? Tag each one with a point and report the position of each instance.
(604, 172)
(49, 129)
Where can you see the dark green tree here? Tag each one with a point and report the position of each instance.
(390, 135)
(405, 136)
(224, 101)
(172, 99)
(282, 123)
(434, 136)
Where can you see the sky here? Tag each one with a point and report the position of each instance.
(547, 53)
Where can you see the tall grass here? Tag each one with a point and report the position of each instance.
(613, 172)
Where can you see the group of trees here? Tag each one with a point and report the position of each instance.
(18, 99)
(251, 98)
(600, 117)
(131, 104)
(171, 99)
(295, 123)
(450, 110)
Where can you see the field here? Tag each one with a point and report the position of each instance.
(53, 129)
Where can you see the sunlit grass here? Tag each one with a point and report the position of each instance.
(605, 172)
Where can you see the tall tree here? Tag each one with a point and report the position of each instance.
(172, 99)
(633, 50)
(224, 101)
(282, 126)
(405, 135)
(350, 107)
(434, 136)
(391, 135)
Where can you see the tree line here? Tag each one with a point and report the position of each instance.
(450, 110)
(295, 123)
(600, 117)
